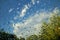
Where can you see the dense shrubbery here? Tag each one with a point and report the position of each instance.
(50, 31)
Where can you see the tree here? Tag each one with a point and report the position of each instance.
(7, 36)
(51, 30)
(22, 38)
(32, 37)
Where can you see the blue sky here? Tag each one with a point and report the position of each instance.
(22, 16)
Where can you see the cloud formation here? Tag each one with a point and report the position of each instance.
(31, 25)
(33, 2)
(11, 9)
(24, 11)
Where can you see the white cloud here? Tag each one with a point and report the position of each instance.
(11, 9)
(31, 25)
(24, 11)
(38, 1)
(33, 2)
(56, 10)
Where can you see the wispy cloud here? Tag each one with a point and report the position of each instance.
(38, 1)
(24, 11)
(11, 9)
(33, 2)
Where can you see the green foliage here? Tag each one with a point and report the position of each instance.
(22, 38)
(51, 30)
(32, 37)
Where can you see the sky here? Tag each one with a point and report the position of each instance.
(25, 17)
